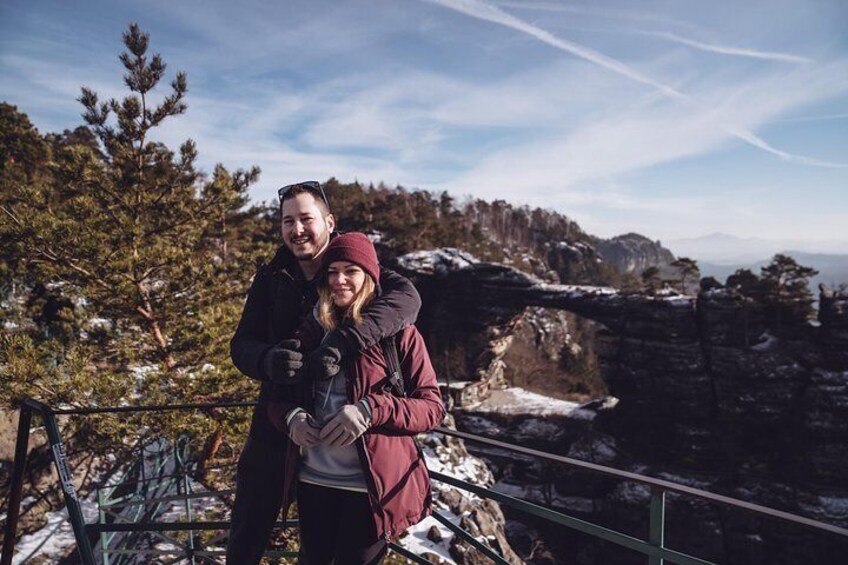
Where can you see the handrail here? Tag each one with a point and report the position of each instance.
(150, 408)
(624, 540)
(650, 481)
(653, 548)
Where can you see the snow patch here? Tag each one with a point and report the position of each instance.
(578, 291)
(55, 539)
(634, 493)
(834, 507)
(517, 401)
(768, 342)
(550, 499)
(437, 261)
(417, 542)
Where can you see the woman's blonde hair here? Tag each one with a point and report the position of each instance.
(331, 316)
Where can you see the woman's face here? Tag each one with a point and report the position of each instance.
(345, 280)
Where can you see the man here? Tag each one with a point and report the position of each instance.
(263, 348)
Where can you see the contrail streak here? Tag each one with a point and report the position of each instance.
(483, 11)
(816, 118)
(738, 51)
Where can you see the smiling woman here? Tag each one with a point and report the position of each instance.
(351, 280)
(346, 281)
(360, 479)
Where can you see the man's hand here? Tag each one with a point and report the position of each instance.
(325, 362)
(345, 426)
(302, 432)
(283, 364)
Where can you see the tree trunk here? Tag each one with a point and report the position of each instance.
(210, 450)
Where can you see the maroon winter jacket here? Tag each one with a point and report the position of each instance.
(397, 478)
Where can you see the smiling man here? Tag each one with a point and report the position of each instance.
(306, 225)
(264, 348)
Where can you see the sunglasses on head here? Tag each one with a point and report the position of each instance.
(312, 186)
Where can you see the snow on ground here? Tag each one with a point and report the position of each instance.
(833, 508)
(53, 540)
(768, 342)
(417, 542)
(97, 322)
(516, 401)
(537, 495)
(693, 482)
(56, 538)
(454, 385)
(634, 493)
(25, 504)
(439, 458)
(579, 290)
(469, 469)
(437, 261)
(674, 298)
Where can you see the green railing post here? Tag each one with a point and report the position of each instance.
(101, 519)
(656, 532)
(72, 502)
(16, 488)
(189, 516)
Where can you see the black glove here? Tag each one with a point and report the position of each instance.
(325, 361)
(283, 364)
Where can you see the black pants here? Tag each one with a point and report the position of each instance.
(259, 495)
(337, 525)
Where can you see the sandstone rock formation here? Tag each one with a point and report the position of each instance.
(633, 253)
(707, 396)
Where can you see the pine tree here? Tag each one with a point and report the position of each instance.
(23, 162)
(746, 283)
(786, 292)
(133, 231)
(651, 280)
(748, 288)
(687, 270)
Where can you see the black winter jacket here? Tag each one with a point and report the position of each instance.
(278, 301)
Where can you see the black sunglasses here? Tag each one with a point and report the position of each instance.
(312, 186)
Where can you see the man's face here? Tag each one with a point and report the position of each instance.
(306, 230)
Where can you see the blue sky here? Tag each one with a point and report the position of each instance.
(674, 119)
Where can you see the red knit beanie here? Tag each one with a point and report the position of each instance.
(356, 248)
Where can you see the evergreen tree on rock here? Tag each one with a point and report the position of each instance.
(134, 231)
(786, 291)
(687, 270)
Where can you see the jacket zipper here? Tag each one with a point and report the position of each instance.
(374, 490)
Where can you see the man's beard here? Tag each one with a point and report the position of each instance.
(319, 244)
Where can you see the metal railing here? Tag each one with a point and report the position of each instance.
(653, 548)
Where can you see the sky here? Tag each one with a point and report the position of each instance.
(673, 119)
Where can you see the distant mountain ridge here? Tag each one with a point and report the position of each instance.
(722, 248)
(832, 268)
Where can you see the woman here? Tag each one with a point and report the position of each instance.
(360, 477)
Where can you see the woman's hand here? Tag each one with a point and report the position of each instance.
(345, 426)
(302, 432)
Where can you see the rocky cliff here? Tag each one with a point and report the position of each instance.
(632, 253)
(707, 397)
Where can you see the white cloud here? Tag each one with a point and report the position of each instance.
(630, 138)
(413, 94)
(482, 10)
